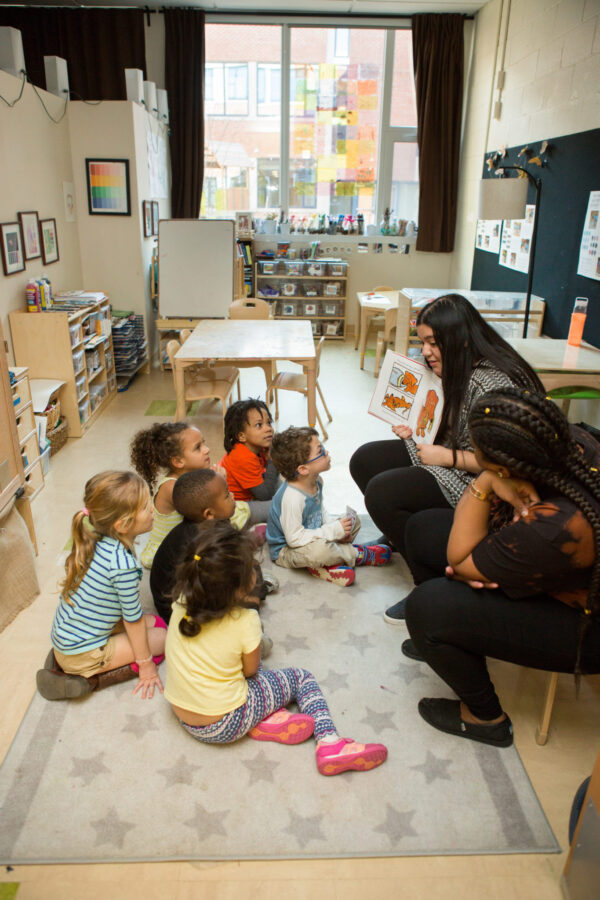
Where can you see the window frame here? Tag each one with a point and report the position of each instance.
(388, 135)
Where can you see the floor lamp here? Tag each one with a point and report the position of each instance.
(506, 198)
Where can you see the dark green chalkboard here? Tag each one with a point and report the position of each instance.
(573, 170)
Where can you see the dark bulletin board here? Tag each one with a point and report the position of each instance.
(573, 170)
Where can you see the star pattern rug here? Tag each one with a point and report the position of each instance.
(114, 778)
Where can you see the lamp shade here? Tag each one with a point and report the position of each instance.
(502, 198)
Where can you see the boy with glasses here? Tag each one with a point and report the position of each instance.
(300, 533)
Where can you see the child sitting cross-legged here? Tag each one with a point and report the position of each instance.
(300, 533)
(199, 496)
(215, 682)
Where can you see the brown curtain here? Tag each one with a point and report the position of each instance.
(98, 44)
(184, 80)
(438, 56)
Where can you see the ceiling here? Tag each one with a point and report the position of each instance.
(285, 7)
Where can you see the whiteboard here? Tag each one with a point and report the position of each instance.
(195, 267)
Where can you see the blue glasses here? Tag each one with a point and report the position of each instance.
(315, 458)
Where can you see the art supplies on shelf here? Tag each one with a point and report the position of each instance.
(408, 393)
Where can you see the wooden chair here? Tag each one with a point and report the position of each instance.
(292, 381)
(541, 734)
(253, 308)
(379, 287)
(390, 317)
(206, 382)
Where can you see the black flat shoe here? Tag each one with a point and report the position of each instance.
(409, 649)
(444, 715)
(395, 614)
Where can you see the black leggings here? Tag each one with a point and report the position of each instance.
(455, 627)
(393, 488)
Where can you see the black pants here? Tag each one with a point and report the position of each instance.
(455, 627)
(393, 488)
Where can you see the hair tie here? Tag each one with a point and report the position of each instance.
(593, 469)
(84, 510)
(197, 557)
(500, 474)
(187, 618)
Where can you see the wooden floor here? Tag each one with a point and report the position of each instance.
(556, 770)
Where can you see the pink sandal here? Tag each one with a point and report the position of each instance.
(347, 754)
(284, 727)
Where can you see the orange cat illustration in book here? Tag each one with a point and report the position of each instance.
(410, 383)
(427, 413)
(395, 403)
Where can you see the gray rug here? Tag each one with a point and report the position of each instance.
(115, 778)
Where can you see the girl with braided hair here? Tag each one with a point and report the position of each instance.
(523, 588)
(401, 477)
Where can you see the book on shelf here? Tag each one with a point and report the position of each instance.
(408, 393)
(79, 298)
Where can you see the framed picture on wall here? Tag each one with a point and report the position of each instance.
(108, 187)
(30, 229)
(11, 244)
(49, 241)
(147, 216)
(155, 216)
(243, 224)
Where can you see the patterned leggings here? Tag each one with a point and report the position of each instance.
(268, 691)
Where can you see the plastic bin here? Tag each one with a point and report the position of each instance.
(313, 267)
(268, 266)
(337, 268)
(84, 410)
(294, 267)
(268, 291)
(310, 308)
(332, 289)
(74, 334)
(97, 395)
(78, 361)
(312, 288)
(45, 458)
(330, 308)
(332, 328)
(80, 386)
(288, 308)
(289, 289)
(316, 329)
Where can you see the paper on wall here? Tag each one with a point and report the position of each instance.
(589, 252)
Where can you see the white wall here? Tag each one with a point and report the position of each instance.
(35, 159)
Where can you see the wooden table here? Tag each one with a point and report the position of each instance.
(504, 310)
(248, 339)
(371, 303)
(558, 364)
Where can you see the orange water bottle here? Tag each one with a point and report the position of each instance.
(577, 321)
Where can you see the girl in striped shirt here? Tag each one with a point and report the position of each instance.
(99, 634)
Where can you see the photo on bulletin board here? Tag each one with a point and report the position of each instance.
(155, 216)
(30, 229)
(147, 217)
(49, 241)
(108, 187)
(11, 244)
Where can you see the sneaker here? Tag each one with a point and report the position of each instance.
(372, 554)
(271, 582)
(409, 649)
(395, 614)
(342, 575)
(266, 645)
(54, 685)
(284, 727)
(346, 754)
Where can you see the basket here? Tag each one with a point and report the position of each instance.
(58, 436)
(52, 413)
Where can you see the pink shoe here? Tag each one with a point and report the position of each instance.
(342, 575)
(284, 727)
(372, 554)
(260, 534)
(347, 754)
(155, 659)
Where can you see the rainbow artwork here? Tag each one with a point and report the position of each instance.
(108, 187)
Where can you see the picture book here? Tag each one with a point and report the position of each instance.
(408, 393)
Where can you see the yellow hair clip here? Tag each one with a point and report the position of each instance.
(593, 469)
(187, 618)
(197, 557)
(486, 410)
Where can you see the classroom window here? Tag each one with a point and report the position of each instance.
(344, 157)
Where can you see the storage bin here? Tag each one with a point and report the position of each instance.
(337, 268)
(294, 267)
(332, 328)
(288, 308)
(75, 334)
(80, 386)
(316, 329)
(313, 267)
(97, 395)
(268, 266)
(92, 360)
(312, 288)
(289, 289)
(78, 361)
(52, 413)
(84, 410)
(58, 436)
(268, 291)
(330, 308)
(332, 289)
(310, 308)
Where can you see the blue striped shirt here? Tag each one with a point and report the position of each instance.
(109, 592)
